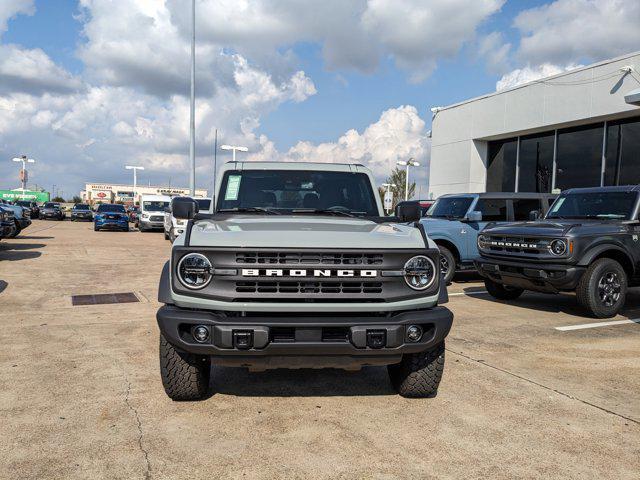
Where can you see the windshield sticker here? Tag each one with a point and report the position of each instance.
(233, 187)
(557, 204)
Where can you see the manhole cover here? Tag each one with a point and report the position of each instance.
(104, 298)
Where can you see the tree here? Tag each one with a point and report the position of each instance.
(76, 199)
(398, 178)
(58, 199)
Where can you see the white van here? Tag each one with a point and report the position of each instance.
(152, 208)
(174, 227)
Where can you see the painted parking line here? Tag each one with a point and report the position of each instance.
(460, 294)
(598, 324)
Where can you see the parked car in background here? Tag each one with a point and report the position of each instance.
(174, 227)
(7, 222)
(152, 208)
(31, 206)
(111, 216)
(52, 210)
(454, 222)
(21, 218)
(423, 206)
(81, 211)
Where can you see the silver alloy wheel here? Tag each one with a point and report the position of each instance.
(609, 289)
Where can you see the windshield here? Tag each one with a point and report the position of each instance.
(450, 207)
(51, 205)
(297, 191)
(81, 206)
(155, 206)
(618, 205)
(111, 208)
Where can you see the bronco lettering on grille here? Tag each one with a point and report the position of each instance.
(277, 272)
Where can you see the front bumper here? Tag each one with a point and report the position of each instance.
(120, 223)
(304, 341)
(23, 222)
(81, 216)
(547, 278)
(149, 225)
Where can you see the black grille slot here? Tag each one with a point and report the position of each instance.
(283, 334)
(308, 258)
(335, 334)
(156, 218)
(348, 288)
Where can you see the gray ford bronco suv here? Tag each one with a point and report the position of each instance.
(295, 267)
(589, 242)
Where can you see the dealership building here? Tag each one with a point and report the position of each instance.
(577, 129)
(117, 193)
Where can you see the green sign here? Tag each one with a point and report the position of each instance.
(13, 195)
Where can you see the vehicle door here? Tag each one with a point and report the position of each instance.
(492, 210)
(522, 208)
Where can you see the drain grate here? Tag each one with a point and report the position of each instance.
(104, 298)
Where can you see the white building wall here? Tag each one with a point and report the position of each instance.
(460, 132)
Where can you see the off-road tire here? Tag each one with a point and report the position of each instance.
(418, 374)
(16, 231)
(95, 228)
(450, 258)
(587, 289)
(184, 376)
(502, 292)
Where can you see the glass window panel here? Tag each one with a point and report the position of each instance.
(492, 209)
(579, 157)
(536, 163)
(522, 207)
(623, 153)
(501, 167)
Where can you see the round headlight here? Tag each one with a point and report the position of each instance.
(482, 241)
(419, 272)
(558, 247)
(194, 271)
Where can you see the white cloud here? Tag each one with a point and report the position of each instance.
(398, 134)
(32, 71)
(11, 8)
(495, 50)
(529, 74)
(572, 31)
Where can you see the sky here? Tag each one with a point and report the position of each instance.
(89, 86)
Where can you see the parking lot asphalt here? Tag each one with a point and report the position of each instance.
(81, 397)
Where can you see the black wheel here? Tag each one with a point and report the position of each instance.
(95, 227)
(418, 374)
(502, 292)
(166, 235)
(447, 264)
(172, 236)
(602, 290)
(16, 231)
(184, 376)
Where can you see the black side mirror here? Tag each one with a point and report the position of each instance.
(409, 212)
(534, 215)
(184, 208)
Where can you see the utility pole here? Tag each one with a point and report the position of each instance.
(23, 173)
(192, 116)
(135, 179)
(411, 162)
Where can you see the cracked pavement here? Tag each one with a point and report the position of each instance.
(81, 397)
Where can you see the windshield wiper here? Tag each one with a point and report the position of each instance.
(249, 210)
(326, 211)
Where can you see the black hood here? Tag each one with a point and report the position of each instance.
(551, 228)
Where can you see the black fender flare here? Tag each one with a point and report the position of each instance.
(596, 250)
(164, 288)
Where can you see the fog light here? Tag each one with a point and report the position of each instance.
(414, 333)
(200, 333)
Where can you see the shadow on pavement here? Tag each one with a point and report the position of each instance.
(301, 383)
(17, 251)
(3, 285)
(20, 246)
(31, 237)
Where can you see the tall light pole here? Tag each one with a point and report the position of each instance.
(192, 115)
(410, 163)
(135, 179)
(23, 172)
(234, 148)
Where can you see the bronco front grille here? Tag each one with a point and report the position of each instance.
(309, 258)
(320, 288)
(512, 244)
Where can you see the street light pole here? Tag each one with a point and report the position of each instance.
(192, 115)
(234, 148)
(411, 162)
(23, 173)
(135, 179)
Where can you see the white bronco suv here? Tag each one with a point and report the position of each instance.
(295, 267)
